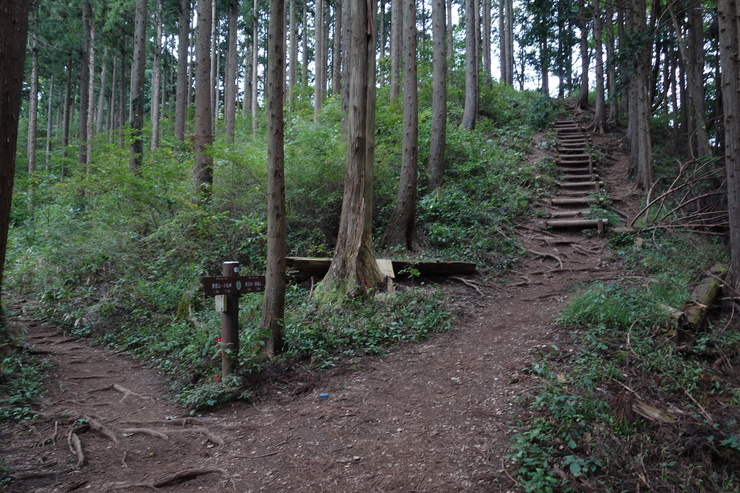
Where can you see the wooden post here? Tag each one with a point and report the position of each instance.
(230, 324)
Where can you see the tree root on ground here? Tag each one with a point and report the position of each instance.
(75, 446)
(175, 478)
(126, 392)
(147, 431)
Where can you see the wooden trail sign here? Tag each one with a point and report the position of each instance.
(214, 286)
(227, 287)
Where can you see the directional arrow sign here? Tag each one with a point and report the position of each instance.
(214, 286)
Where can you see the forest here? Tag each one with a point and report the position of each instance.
(143, 143)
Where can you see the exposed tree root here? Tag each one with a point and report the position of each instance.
(102, 429)
(126, 392)
(147, 431)
(172, 479)
(547, 255)
(75, 446)
(470, 284)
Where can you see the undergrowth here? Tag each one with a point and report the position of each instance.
(634, 404)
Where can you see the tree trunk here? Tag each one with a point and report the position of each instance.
(729, 47)
(14, 26)
(381, 40)
(506, 34)
(230, 87)
(319, 68)
(203, 113)
(336, 69)
(583, 26)
(138, 67)
(600, 108)
(214, 66)
(66, 116)
(183, 80)
(84, 81)
(401, 228)
(304, 46)
(49, 126)
(353, 270)
(293, 60)
(273, 305)
(90, 116)
(639, 104)
(396, 48)
(470, 110)
(100, 117)
(486, 41)
(255, 71)
(611, 77)
(33, 99)
(156, 76)
(435, 167)
(450, 29)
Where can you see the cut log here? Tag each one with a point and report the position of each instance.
(599, 224)
(702, 297)
(574, 213)
(576, 200)
(306, 267)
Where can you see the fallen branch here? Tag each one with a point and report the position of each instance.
(702, 297)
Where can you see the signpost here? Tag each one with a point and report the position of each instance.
(226, 288)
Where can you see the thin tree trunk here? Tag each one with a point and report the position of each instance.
(214, 65)
(583, 26)
(100, 118)
(293, 60)
(33, 101)
(230, 87)
(90, 116)
(470, 110)
(304, 46)
(450, 29)
(136, 151)
(156, 76)
(255, 76)
(66, 116)
(435, 167)
(203, 112)
(183, 80)
(319, 67)
(381, 40)
(611, 71)
(49, 127)
(273, 305)
(396, 48)
(84, 81)
(336, 69)
(401, 228)
(486, 41)
(600, 108)
(112, 109)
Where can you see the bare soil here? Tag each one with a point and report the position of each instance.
(426, 417)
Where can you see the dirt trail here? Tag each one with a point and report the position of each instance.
(428, 417)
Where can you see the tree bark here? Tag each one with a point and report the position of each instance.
(729, 47)
(138, 66)
(435, 167)
(90, 116)
(583, 26)
(84, 81)
(293, 60)
(66, 117)
(336, 68)
(255, 72)
(273, 305)
(600, 107)
(33, 99)
(401, 228)
(319, 75)
(49, 126)
(156, 76)
(304, 46)
(396, 48)
(203, 113)
(353, 270)
(14, 26)
(183, 80)
(100, 117)
(230, 87)
(639, 104)
(470, 110)
(611, 77)
(486, 41)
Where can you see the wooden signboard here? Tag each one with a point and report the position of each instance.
(214, 286)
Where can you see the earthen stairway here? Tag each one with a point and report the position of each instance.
(580, 185)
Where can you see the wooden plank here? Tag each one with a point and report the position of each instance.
(307, 267)
(386, 267)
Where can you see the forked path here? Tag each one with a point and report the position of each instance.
(427, 417)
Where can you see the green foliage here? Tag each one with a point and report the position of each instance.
(21, 384)
(578, 426)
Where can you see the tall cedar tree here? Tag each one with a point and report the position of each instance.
(353, 270)
(14, 26)
(203, 113)
(273, 304)
(230, 87)
(137, 87)
(729, 46)
(435, 167)
(183, 81)
(401, 227)
(470, 109)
